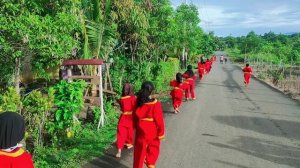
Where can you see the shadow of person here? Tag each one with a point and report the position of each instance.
(106, 161)
(268, 126)
(264, 149)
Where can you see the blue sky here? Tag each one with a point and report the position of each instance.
(238, 17)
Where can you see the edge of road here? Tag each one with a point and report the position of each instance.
(271, 86)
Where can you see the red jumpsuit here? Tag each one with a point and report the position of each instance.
(208, 66)
(191, 88)
(16, 159)
(201, 70)
(178, 92)
(150, 129)
(125, 125)
(247, 74)
(214, 58)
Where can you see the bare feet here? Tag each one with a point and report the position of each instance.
(129, 146)
(118, 155)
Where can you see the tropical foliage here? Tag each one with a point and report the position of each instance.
(270, 47)
(144, 40)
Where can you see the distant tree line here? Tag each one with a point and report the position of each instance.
(271, 47)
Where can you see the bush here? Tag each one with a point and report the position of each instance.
(160, 74)
(35, 112)
(69, 102)
(10, 101)
(165, 72)
(87, 143)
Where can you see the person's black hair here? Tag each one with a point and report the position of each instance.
(201, 59)
(144, 94)
(247, 64)
(127, 90)
(190, 71)
(12, 129)
(179, 77)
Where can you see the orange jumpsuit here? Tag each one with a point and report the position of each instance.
(201, 70)
(177, 92)
(247, 75)
(150, 129)
(125, 125)
(191, 88)
(15, 159)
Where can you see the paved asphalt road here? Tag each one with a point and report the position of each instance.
(228, 126)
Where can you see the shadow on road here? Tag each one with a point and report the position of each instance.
(250, 110)
(264, 101)
(280, 128)
(231, 164)
(108, 160)
(263, 149)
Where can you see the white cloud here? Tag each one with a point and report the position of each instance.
(241, 16)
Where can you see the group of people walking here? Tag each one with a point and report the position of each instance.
(184, 84)
(141, 116)
(144, 114)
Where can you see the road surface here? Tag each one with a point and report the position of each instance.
(228, 126)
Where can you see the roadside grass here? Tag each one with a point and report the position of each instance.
(87, 144)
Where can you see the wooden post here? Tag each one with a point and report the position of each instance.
(69, 71)
(102, 116)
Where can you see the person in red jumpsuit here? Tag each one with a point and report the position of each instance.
(208, 64)
(190, 78)
(212, 59)
(177, 92)
(125, 125)
(247, 74)
(201, 69)
(150, 129)
(12, 131)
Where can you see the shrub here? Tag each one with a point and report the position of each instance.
(165, 72)
(35, 112)
(69, 102)
(10, 101)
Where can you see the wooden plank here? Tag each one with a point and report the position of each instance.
(83, 62)
(95, 81)
(110, 92)
(83, 77)
(93, 100)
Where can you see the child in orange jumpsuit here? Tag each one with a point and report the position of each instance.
(177, 93)
(149, 124)
(12, 131)
(190, 77)
(201, 69)
(125, 125)
(247, 74)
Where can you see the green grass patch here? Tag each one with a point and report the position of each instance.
(73, 152)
